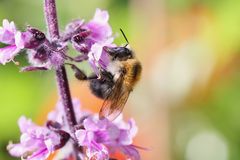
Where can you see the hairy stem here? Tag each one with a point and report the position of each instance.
(51, 18)
(61, 76)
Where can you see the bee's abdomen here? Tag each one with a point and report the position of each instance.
(101, 88)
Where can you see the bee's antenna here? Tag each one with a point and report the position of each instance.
(124, 37)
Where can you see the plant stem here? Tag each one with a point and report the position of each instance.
(61, 76)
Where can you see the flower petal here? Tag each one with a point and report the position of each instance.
(19, 40)
(101, 16)
(84, 137)
(133, 129)
(40, 154)
(58, 114)
(97, 152)
(90, 124)
(8, 53)
(99, 27)
(96, 51)
(131, 152)
(9, 26)
(24, 124)
(15, 150)
(97, 57)
(7, 32)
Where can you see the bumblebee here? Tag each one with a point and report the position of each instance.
(116, 82)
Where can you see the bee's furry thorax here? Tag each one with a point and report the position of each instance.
(129, 69)
(133, 71)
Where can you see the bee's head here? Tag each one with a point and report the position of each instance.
(119, 53)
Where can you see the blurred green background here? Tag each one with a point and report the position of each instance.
(187, 105)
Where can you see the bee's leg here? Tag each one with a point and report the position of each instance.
(91, 77)
(79, 74)
(32, 68)
(106, 76)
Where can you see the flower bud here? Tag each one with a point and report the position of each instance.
(33, 38)
(72, 28)
(53, 125)
(63, 140)
(39, 56)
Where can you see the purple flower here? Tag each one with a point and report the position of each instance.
(84, 35)
(33, 38)
(58, 114)
(99, 27)
(36, 143)
(100, 36)
(97, 152)
(90, 37)
(103, 137)
(72, 29)
(39, 57)
(13, 38)
(98, 58)
(81, 43)
(44, 56)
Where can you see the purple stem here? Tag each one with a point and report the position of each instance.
(51, 18)
(61, 75)
(62, 81)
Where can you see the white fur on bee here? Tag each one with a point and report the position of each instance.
(114, 68)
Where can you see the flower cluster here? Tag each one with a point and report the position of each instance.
(87, 38)
(90, 38)
(97, 139)
(101, 137)
(36, 143)
(40, 52)
(91, 137)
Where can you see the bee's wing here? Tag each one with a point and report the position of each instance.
(115, 101)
